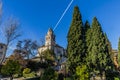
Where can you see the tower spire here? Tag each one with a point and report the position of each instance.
(50, 38)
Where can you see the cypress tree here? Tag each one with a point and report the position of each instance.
(109, 63)
(86, 34)
(108, 49)
(75, 48)
(87, 37)
(97, 48)
(88, 45)
(98, 52)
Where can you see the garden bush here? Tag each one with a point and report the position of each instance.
(28, 74)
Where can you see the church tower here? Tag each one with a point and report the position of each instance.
(58, 50)
(50, 39)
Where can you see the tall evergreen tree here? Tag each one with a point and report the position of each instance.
(98, 48)
(119, 52)
(88, 45)
(86, 35)
(75, 48)
(109, 63)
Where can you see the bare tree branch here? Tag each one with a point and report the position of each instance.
(29, 47)
(11, 32)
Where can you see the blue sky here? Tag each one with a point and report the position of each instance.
(36, 16)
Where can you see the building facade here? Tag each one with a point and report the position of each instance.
(50, 44)
(2, 48)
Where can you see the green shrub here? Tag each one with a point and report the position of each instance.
(49, 74)
(116, 79)
(26, 71)
(28, 74)
(67, 79)
(10, 68)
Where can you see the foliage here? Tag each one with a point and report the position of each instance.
(17, 56)
(82, 72)
(37, 65)
(67, 78)
(75, 37)
(28, 74)
(60, 76)
(86, 37)
(99, 49)
(11, 68)
(116, 79)
(88, 45)
(27, 47)
(26, 71)
(48, 57)
(11, 33)
(49, 74)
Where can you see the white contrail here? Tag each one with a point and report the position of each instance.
(63, 14)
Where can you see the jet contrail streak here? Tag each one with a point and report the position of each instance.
(63, 14)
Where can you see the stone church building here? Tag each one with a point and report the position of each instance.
(51, 44)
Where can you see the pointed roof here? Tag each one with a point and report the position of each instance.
(50, 30)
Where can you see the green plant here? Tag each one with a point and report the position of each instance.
(116, 78)
(28, 74)
(49, 74)
(82, 72)
(67, 79)
(10, 68)
(26, 71)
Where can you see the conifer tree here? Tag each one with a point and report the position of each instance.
(86, 35)
(108, 50)
(88, 44)
(98, 49)
(75, 48)
(109, 63)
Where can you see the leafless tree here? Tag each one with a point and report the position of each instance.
(28, 47)
(10, 32)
